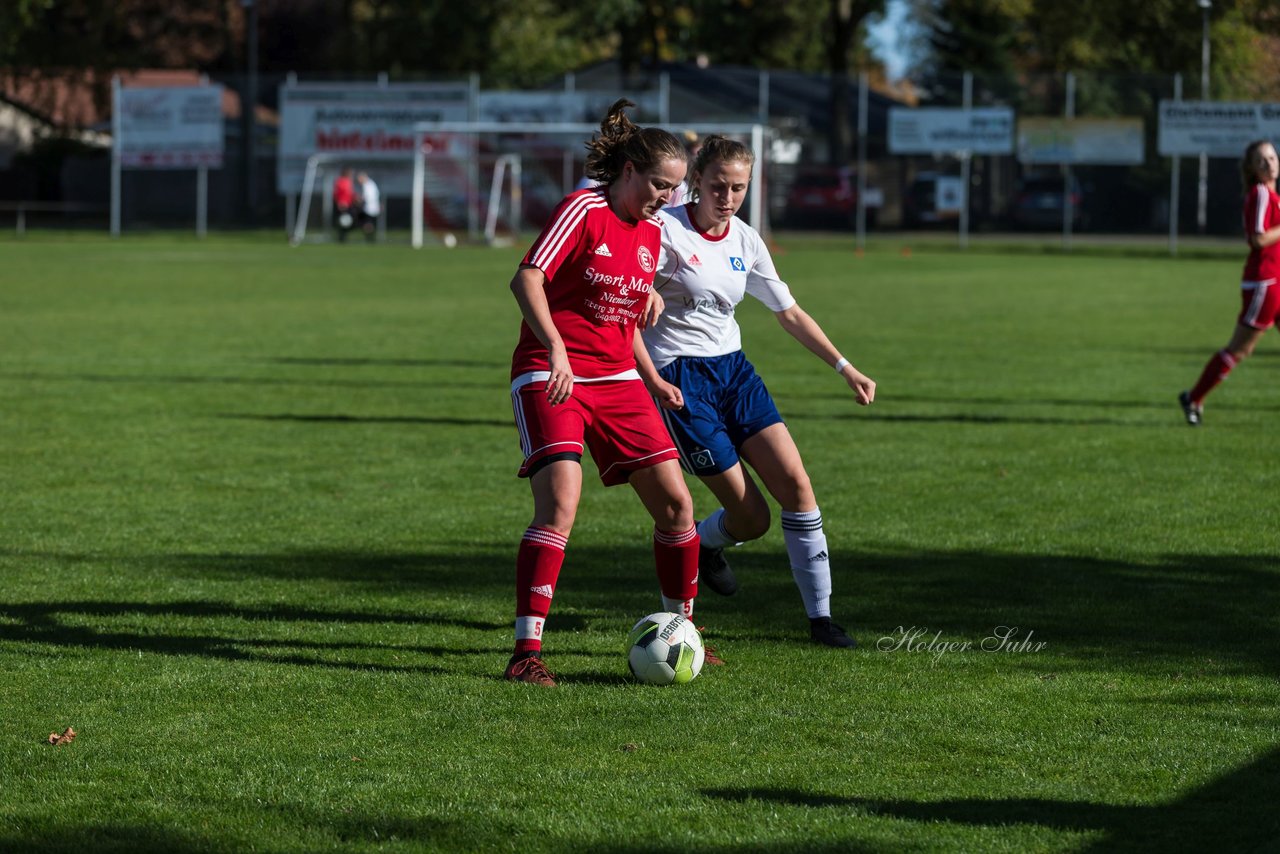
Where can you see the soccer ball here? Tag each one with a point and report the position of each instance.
(449, 240)
(665, 648)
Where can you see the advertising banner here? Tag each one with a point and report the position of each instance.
(177, 127)
(938, 130)
(1101, 142)
(365, 121)
(1219, 129)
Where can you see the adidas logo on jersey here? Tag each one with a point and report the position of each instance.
(694, 262)
(542, 590)
(603, 249)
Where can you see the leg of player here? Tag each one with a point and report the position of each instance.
(556, 490)
(663, 492)
(1220, 364)
(743, 515)
(773, 454)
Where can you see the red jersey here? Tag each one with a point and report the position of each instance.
(344, 193)
(599, 273)
(1261, 211)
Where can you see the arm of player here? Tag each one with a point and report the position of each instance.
(667, 395)
(805, 329)
(529, 285)
(1263, 239)
(653, 309)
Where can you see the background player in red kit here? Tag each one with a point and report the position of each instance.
(1260, 291)
(344, 202)
(584, 288)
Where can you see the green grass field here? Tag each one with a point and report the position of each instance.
(258, 518)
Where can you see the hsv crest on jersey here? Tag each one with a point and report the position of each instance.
(737, 264)
(645, 257)
(603, 249)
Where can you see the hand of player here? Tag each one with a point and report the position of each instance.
(653, 309)
(667, 395)
(560, 384)
(864, 388)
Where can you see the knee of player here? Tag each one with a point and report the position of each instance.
(679, 512)
(559, 519)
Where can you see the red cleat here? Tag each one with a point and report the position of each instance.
(530, 669)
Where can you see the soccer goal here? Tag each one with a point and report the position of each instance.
(526, 170)
(314, 219)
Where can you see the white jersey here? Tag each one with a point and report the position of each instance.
(702, 279)
(371, 198)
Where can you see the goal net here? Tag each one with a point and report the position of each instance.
(491, 180)
(315, 218)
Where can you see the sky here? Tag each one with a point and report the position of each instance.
(889, 38)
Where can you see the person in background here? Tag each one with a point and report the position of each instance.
(370, 205)
(344, 203)
(1259, 292)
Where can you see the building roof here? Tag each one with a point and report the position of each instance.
(80, 99)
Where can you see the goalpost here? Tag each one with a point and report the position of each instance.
(311, 220)
(458, 147)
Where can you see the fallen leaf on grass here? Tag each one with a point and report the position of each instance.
(65, 738)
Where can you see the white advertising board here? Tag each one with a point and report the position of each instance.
(937, 130)
(1102, 142)
(1219, 129)
(178, 127)
(364, 121)
(582, 105)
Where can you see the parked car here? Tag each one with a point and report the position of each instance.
(828, 196)
(1039, 200)
(933, 199)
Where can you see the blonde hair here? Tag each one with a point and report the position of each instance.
(621, 140)
(1248, 175)
(719, 149)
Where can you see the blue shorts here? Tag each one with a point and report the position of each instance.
(725, 403)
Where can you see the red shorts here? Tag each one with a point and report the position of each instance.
(617, 419)
(1261, 304)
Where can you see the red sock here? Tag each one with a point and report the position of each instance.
(537, 567)
(676, 557)
(1214, 372)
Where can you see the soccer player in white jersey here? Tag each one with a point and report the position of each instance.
(583, 289)
(710, 261)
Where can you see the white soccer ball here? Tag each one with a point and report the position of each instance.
(665, 649)
(449, 240)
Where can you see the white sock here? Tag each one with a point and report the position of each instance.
(678, 606)
(810, 564)
(712, 533)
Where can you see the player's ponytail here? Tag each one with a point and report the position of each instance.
(621, 140)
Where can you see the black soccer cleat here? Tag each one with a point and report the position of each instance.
(1194, 412)
(827, 633)
(714, 571)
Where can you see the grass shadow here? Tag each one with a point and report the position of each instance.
(1235, 812)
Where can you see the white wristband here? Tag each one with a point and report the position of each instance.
(840, 364)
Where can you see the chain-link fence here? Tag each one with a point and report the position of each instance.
(66, 182)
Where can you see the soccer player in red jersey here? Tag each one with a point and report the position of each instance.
(1259, 290)
(344, 202)
(584, 289)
